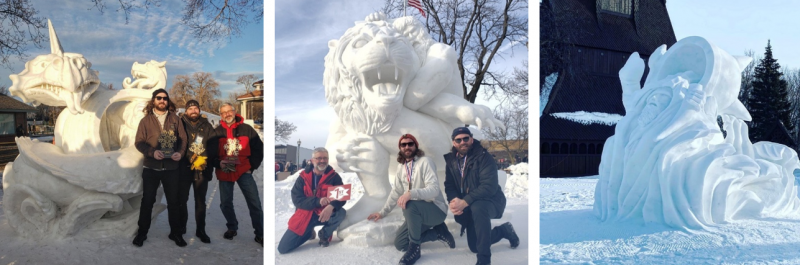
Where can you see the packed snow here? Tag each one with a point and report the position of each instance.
(571, 234)
(351, 250)
(157, 249)
(588, 118)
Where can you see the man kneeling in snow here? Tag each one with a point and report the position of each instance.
(314, 208)
(416, 190)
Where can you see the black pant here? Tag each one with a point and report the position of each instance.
(480, 234)
(187, 181)
(150, 182)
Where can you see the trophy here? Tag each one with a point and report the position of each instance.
(167, 140)
(232, 155)
(198, 162)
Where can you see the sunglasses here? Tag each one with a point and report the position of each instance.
(162, 98)
(407, 144)
(458, 140)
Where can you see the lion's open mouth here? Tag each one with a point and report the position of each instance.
(54, 95)
(386, 80)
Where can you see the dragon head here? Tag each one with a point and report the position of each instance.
(149, 75)
(56, 79)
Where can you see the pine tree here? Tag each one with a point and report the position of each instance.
(768, 100)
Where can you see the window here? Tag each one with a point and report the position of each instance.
(564, 148)
(6, 123)
(545, 148)
(554, 148)
(591, 149)
(622, 7)
(573, 148)
(582, 148)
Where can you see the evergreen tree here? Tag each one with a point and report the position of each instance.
(768, 101)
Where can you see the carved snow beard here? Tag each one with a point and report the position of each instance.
(357, 116)
(649, 113)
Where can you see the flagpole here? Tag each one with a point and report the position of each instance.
(404, 7)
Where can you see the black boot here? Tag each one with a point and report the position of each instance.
(201, 234)
(178, 238)
(443, 234)
(139, 239)
(511, 235)
(229, 234)
(324, 241)
(412, 254)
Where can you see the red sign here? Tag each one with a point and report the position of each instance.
(339, 193)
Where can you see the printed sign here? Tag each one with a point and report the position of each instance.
(339, 193)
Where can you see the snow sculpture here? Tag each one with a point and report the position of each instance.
(386, 77)
(668, 161)
(151, 75)
(89, 183)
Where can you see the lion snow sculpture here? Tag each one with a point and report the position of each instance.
(384, 78)
(89, 182)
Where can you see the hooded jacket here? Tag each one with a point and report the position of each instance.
(480, 178)
(203, 129)
(147, 140)
(306, 198)
(250, 156)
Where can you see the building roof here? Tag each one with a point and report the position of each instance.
(259, 83)
(647, 28)
(256, 94)
(9, 104)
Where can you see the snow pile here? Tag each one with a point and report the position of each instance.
(516, 185)
(588, 118)
(547, 87)
(571, 234)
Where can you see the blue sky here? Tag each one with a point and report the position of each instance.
(302, 31)
(112, 46)
(738, 25)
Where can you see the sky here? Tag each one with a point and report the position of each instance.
(739, 25)
(112, 46)
(302, 31)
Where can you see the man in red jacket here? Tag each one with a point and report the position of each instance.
(309, 195)
(237, 151)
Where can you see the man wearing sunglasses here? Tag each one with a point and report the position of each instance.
(160, 169)
(416, 190)
(474, 195)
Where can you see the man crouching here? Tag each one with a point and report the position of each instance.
(309, 196)
(416, 190)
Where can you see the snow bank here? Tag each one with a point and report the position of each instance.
(516, 185)
(588, 118)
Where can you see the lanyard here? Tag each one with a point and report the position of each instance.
(408, 173)
(314, 182)
(464, 166)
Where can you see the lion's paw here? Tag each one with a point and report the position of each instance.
(347, 153)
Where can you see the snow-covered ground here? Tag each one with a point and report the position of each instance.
(157, 249)
(353, 252)
(571, 234)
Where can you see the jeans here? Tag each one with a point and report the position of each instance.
(250, 191)
(291, 241)
(151, 179)
(200, 188)
(480, 234)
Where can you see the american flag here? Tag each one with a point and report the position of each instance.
(418, 5)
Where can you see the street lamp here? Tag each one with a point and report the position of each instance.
(298, 152)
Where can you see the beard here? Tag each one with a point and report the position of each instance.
(649, 113)
(161, 106)
(321, 167)
(463, 149)
(408, 154)
(193, 117)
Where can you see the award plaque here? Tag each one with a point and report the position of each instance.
(232, 155)
(339, 193)
(167, 140)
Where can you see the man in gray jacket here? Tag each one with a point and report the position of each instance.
(416, 190)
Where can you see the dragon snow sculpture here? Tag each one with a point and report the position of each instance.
(384, 78)
(89, 182)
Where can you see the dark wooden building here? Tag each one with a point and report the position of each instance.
(13, 119)
(603, 35)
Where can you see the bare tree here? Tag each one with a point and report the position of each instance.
(283, 130)
(200, 86)
(20, 25)
(477, 30)
(4, 90)
(210, 21)
(514, 138)
(247, 81)
(748, 75)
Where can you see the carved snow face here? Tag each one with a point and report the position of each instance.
(656, 104)
(150, 75)
(381, 61)
(56, 79)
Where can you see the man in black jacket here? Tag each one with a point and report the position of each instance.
(194, 170)
(314, 208)
(475, 196)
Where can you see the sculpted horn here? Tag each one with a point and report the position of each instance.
(55, 45)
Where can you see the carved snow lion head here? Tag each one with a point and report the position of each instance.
(367, 70)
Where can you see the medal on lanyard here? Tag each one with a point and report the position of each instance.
(408, 173)
(462, 173)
